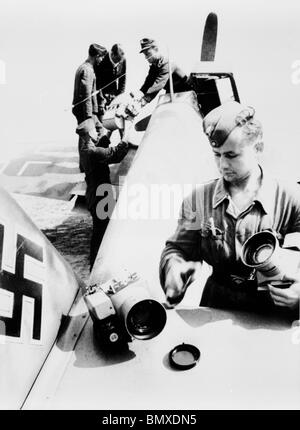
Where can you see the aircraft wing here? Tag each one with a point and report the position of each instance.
(239, 352)
(37, 290)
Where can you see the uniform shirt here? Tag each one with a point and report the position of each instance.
(158, 79)
(95, 160)
(111, 77)
(84, 86)
(210, 230)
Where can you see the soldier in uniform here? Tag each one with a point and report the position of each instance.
(110, 77)
(85, 103)
(95, 156)
(158, 75)
(221, 215)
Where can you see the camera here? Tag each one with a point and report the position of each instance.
(122, 309)
(271, 262)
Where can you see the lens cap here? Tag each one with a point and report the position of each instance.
(184, 356)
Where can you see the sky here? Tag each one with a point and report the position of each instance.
(43, 42)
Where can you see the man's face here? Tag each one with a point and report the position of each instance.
(151, 54)
(237, 157)
(98, 59)
(117, 58)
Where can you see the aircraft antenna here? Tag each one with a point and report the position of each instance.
(170, 79)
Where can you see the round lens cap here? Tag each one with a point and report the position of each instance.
(184, 356)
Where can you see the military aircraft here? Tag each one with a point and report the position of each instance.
(52, 354)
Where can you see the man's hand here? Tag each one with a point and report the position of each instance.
(121, 149)
(103, 142)
(132, 109)
(287, 297)
(178, 277)
(123, 144)
(137, 95)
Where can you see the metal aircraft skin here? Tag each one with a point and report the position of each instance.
(174, 156)
(50, 358)
(38, 287)
(37, 290)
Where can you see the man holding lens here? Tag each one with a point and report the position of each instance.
(221, 215)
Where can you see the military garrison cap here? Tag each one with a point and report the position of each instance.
(147, 43)
(220, 122)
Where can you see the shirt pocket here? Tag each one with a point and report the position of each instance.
(212, 244)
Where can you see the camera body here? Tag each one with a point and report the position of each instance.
(107, 326)
(122, 308)
(271, 262)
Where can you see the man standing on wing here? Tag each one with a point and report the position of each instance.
(158, 75)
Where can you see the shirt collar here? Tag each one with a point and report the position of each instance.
(115, 65)
(220, 193)
(265, 195)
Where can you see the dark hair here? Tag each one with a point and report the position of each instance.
(117, 50)
(96, 49)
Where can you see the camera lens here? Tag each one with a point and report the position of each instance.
(258, 249)
(146, 319)
(262, 253)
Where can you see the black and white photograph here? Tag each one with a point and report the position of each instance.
(150, 208)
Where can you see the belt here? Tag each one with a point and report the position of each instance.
(237, 282)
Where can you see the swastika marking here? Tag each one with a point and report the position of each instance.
(20, 286)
